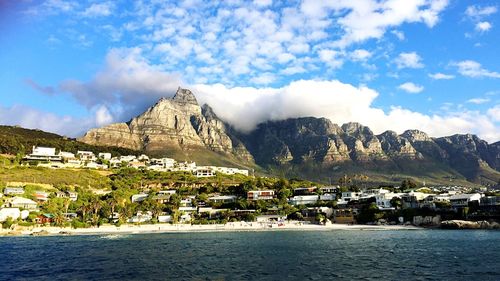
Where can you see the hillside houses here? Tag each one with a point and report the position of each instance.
(47, 157)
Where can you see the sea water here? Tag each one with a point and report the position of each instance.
(266, 255)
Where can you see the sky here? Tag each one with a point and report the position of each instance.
(432, 65)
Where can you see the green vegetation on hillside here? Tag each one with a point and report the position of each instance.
(16, 140)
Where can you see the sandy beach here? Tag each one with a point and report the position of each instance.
(173, 228)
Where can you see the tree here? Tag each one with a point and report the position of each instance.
(396, 202)
(344, 181)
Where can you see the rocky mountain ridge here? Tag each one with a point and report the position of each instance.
(181, 124)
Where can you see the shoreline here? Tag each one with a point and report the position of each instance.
(188, 228)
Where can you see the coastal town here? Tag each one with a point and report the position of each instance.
(243, 198)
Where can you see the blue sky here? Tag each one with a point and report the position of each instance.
(67, 66)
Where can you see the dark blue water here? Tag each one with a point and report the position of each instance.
(287, 255)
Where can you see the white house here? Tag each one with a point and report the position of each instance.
(348, 196)
(13, 191)
(304, 199)
(43, 154)
(463, 200)
(13, 213)
(223, 199)
(41, 195)
(204, 172)
(139, 197)
(105, 155)
(21, 202)
(86, 155)
(260, 195)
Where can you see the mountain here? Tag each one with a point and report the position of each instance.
(178, 127)
(309, 147)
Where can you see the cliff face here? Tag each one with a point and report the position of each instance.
(172, 124)
(180, 124)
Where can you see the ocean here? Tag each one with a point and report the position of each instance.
(265, 255)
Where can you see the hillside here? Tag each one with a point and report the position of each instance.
(14, 140)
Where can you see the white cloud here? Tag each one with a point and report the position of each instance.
(31, 118)
(263, 3)
(408, 60)
(474, 69)
(477, 12)
(441, 76)
(399, 34)
(99, 10)
(245, 107)
(483, 26)
(332, 58)
(264, 78)
(126, 85)
(494, 113)
(411, 88)
(478, 100)
(360, 55)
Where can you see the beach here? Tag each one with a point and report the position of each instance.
(175, 228)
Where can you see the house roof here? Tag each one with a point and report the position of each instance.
(22, 200)
(463, 196)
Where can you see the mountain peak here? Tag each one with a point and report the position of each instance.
(185, 96)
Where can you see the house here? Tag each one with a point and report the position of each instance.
(463, 200)
(73, 196)
(143, 158)
(43, 154)
(349, 196)
(204, 172)
(383, 200)
(412, 199)
(304, 199)
(139, 197)
(328, 197)
(141, 217)
(137, 164)
(223, 199)
(41, 195)
(44, 218)
(67, 155)
(187, 202)
(260, 195)
(13, 213)
(86, 155)
(13, 191)
(304, 190)
(94, 165)
(329, 189)
(127, 158)
(104, 155)
(165, 218)
(344, 216)
(22, 203)
(270, 218)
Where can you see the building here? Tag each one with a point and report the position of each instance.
(43, 154)
(41, 195)
(304, 199)
(349, 196)
(223, 199)
(260, 195)
(344, 216)
(105, 155)
(13, 191)
(22, 203)
(13, 213)
(304, 190)
(329, 189)
(86, 155)
(139, 197)
(463, 200)
(328, 197)
(204, 172)
(44, 218)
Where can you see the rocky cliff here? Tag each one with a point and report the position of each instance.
(177, 124)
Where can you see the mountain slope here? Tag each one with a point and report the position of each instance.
(176, 126)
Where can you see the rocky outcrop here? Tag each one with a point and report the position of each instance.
(461, 224)
(177, 123)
